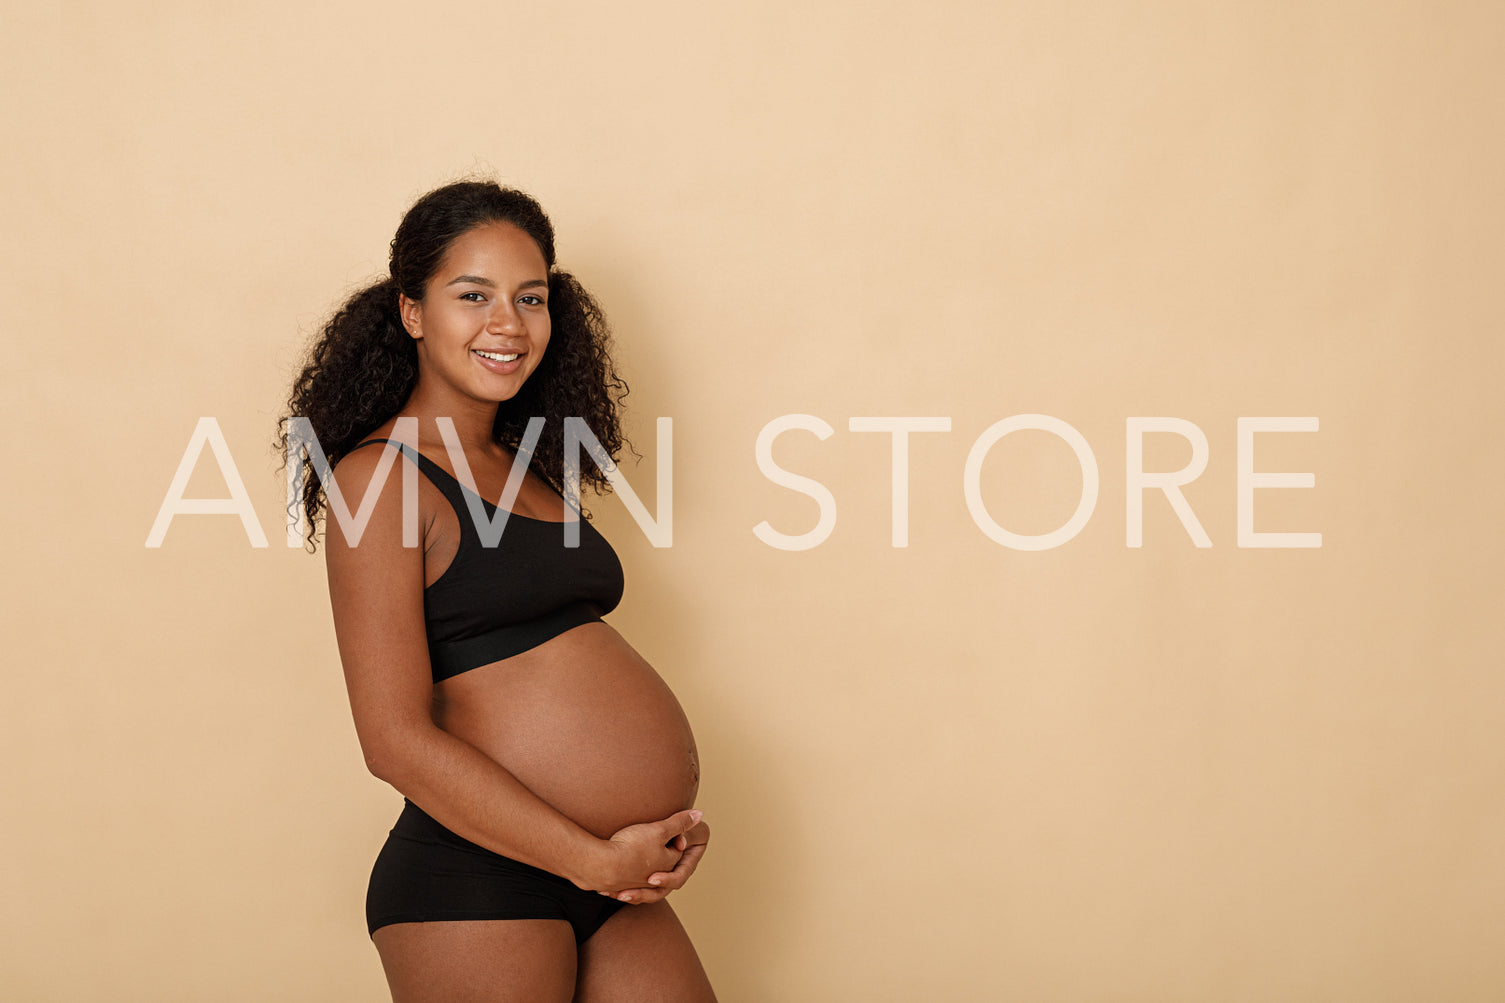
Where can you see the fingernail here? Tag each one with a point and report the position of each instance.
(625, 897)
(696, 814)
(655, 881)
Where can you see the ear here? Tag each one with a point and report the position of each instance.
(411, 312)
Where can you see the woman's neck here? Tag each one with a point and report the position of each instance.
(473, 420)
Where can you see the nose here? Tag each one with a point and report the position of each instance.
(504, 318)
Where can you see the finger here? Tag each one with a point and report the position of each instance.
(633, 896)
(666, 861)
(674, 876)
(697, 833)
(691, 857)
(659, 853)
(679, 822)
(643, 896)
(670, 880)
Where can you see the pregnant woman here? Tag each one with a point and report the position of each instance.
(548, 773)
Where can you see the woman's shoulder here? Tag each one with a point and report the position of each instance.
(361, 462)
(367, 479)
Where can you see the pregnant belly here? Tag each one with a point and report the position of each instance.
(585, 723)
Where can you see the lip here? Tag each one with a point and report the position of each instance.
(500, 368)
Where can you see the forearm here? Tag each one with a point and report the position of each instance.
(477, 798)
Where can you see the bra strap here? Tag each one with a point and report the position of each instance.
(436, 474)
(459, 498)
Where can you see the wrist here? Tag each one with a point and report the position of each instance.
(584, 862)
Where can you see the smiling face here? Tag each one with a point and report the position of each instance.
(483, 323)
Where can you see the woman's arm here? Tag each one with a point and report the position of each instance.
(376, 594)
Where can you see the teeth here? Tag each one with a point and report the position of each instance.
(497, 356)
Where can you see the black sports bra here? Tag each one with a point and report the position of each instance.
(495, 602)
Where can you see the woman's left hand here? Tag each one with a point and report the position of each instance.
(661, 883)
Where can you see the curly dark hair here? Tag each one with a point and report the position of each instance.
(363, 366)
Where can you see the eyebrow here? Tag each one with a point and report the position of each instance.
(478, 280)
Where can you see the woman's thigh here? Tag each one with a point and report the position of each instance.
(472, 961)
(642, 954)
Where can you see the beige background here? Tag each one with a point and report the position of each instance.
(1091, 773)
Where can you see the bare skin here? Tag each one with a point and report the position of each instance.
(573, 756)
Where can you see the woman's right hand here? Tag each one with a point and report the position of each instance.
(634, 853)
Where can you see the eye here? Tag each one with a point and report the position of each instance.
(479, 297)
(533, 300)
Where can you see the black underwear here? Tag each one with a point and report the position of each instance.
(425, 874)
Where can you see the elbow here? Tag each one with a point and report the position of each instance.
(390, 758)
(381, 766)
